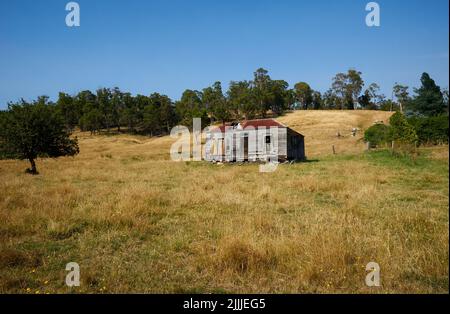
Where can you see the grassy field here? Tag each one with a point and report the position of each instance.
(137, 222)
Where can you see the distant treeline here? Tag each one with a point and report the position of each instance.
(108, 109)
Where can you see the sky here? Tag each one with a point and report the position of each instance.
(168, 46)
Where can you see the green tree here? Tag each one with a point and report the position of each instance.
(240, 100)
(68, 108)
(429, 100)
(289, 99)
(190, 106)
(159, 115)
(354, 85)
(278, 96)
(262, 91)
(377, 134)
(365, 100)
(117, 106)
(130, 115)
(401, 93)
(167, 113)
(330, 100)
(347, 88)
(445, 97)
(431, 130)
(91, 120)
(340, 90)
(303, 94)
(32, 130)
(216, 103)
(400, 130)
(317, 101)
(389, 105)
(105, 105)
(376, 98)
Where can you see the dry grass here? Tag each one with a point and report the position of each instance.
(137, 222)
(321, 126)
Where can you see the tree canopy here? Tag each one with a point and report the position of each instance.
(31, 130)
(429, 100)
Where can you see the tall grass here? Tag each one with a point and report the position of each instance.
(137, 222)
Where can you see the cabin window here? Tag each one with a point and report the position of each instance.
(267, 139)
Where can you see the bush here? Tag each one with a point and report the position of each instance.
(377, 134)
(401, 131)
(431, 130)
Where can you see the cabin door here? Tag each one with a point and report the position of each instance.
(246, 148)
(235, 143)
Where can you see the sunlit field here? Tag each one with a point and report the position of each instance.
(135, 221)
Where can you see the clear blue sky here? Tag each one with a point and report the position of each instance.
(171, 45)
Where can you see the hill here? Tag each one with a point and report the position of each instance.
(320, 128)
(136, 221)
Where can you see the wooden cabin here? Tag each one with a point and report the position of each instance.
(254, 140)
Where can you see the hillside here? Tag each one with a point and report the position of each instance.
(320, 128)
(136, 221)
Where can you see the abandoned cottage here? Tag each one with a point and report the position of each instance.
(254, 140)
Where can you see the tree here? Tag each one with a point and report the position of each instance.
(240, 100)
(130, 114)
(69, 110)
(167, 112)
(354, 85)
(401, 93)
(401, 130)
(159, 114)
(151, 122)
(389, 105)
(31, 130)
(216, 103)
(91, 121)
(431, 130)
(445, 97)
(347, 87)
(278, 96)
(429, 100)
(117, 106)
(317, 102)
(261, 90)
(330, 100)
(303, 94)
(105, 106)
(377, 134)
(289, 99)
(340, 90)
(84, 101)
(375, 99)
(190, 106)
(365, 100)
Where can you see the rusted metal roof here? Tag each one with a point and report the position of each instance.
(263, 123)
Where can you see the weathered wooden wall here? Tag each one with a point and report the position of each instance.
(230, 146)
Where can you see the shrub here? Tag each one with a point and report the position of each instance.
(431, 130)
(401, 131)
(377, 134)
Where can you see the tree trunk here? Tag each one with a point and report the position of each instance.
(33, 169)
